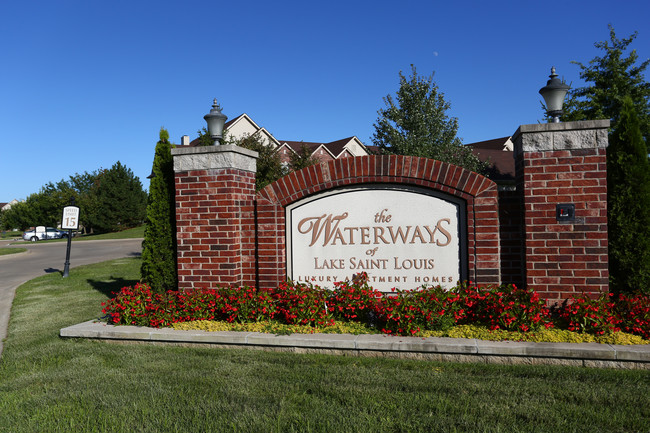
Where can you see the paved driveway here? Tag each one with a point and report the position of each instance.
(47, 257)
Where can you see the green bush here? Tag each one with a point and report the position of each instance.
(158, 268)
(628, 201)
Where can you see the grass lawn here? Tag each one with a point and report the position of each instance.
(6, 251)
(48, 384)
(137, 232)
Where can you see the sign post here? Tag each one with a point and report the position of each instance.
(69, 221)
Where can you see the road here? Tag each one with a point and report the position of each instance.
(46, 257)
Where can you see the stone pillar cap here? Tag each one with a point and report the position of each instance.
(214, 157)
(540, 137)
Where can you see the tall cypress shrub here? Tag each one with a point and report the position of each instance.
(628, 209)
(158, 268)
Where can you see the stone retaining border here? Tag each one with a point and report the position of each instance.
(433, 349)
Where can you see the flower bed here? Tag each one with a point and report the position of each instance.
(405, 312)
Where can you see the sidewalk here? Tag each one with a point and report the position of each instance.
(435, 349)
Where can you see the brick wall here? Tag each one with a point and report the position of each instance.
(511, 232)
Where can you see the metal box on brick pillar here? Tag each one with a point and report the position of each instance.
(561, 172)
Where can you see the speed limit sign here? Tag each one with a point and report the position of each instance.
(70, 220)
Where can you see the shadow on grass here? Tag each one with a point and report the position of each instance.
(52, 270)
(109, 287)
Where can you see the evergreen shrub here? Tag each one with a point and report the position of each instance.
(158, 268)
(628, 204)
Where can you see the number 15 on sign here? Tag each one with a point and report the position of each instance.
(70, 220)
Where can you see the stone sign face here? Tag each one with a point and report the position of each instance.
(70, 219)
(403, 237)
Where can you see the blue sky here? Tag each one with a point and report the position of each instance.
(84, 84)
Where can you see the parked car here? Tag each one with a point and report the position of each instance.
(42, 233)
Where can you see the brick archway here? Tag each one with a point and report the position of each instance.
(268, 267)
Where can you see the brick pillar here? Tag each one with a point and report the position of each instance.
(215, 193)
(564, 163)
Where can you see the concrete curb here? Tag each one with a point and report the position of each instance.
(439, 349)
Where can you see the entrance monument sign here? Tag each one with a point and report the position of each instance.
(406, 221)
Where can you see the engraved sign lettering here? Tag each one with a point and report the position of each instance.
(403, 238)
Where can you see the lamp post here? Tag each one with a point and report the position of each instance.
(553, 94)
(215, 119)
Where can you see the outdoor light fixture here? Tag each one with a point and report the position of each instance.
(216, 119)
(553, 94)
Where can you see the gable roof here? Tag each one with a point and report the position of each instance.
(235, 120)
(338, 147)
(241, 118)
(229, 124)
(312, 146)
(246, 126)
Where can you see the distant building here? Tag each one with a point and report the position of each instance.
(498, 152)
(243, 126)
(7, 206)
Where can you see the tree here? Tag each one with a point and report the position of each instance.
(45, 206)
(613, 77)
(158, 267)
(204, 137)
(82, 185)
(619, 91)
(19, 216)
(269, 165)
(41, 208)
(301, 159)
(119, 200)
(628, 183)
(415, 123)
